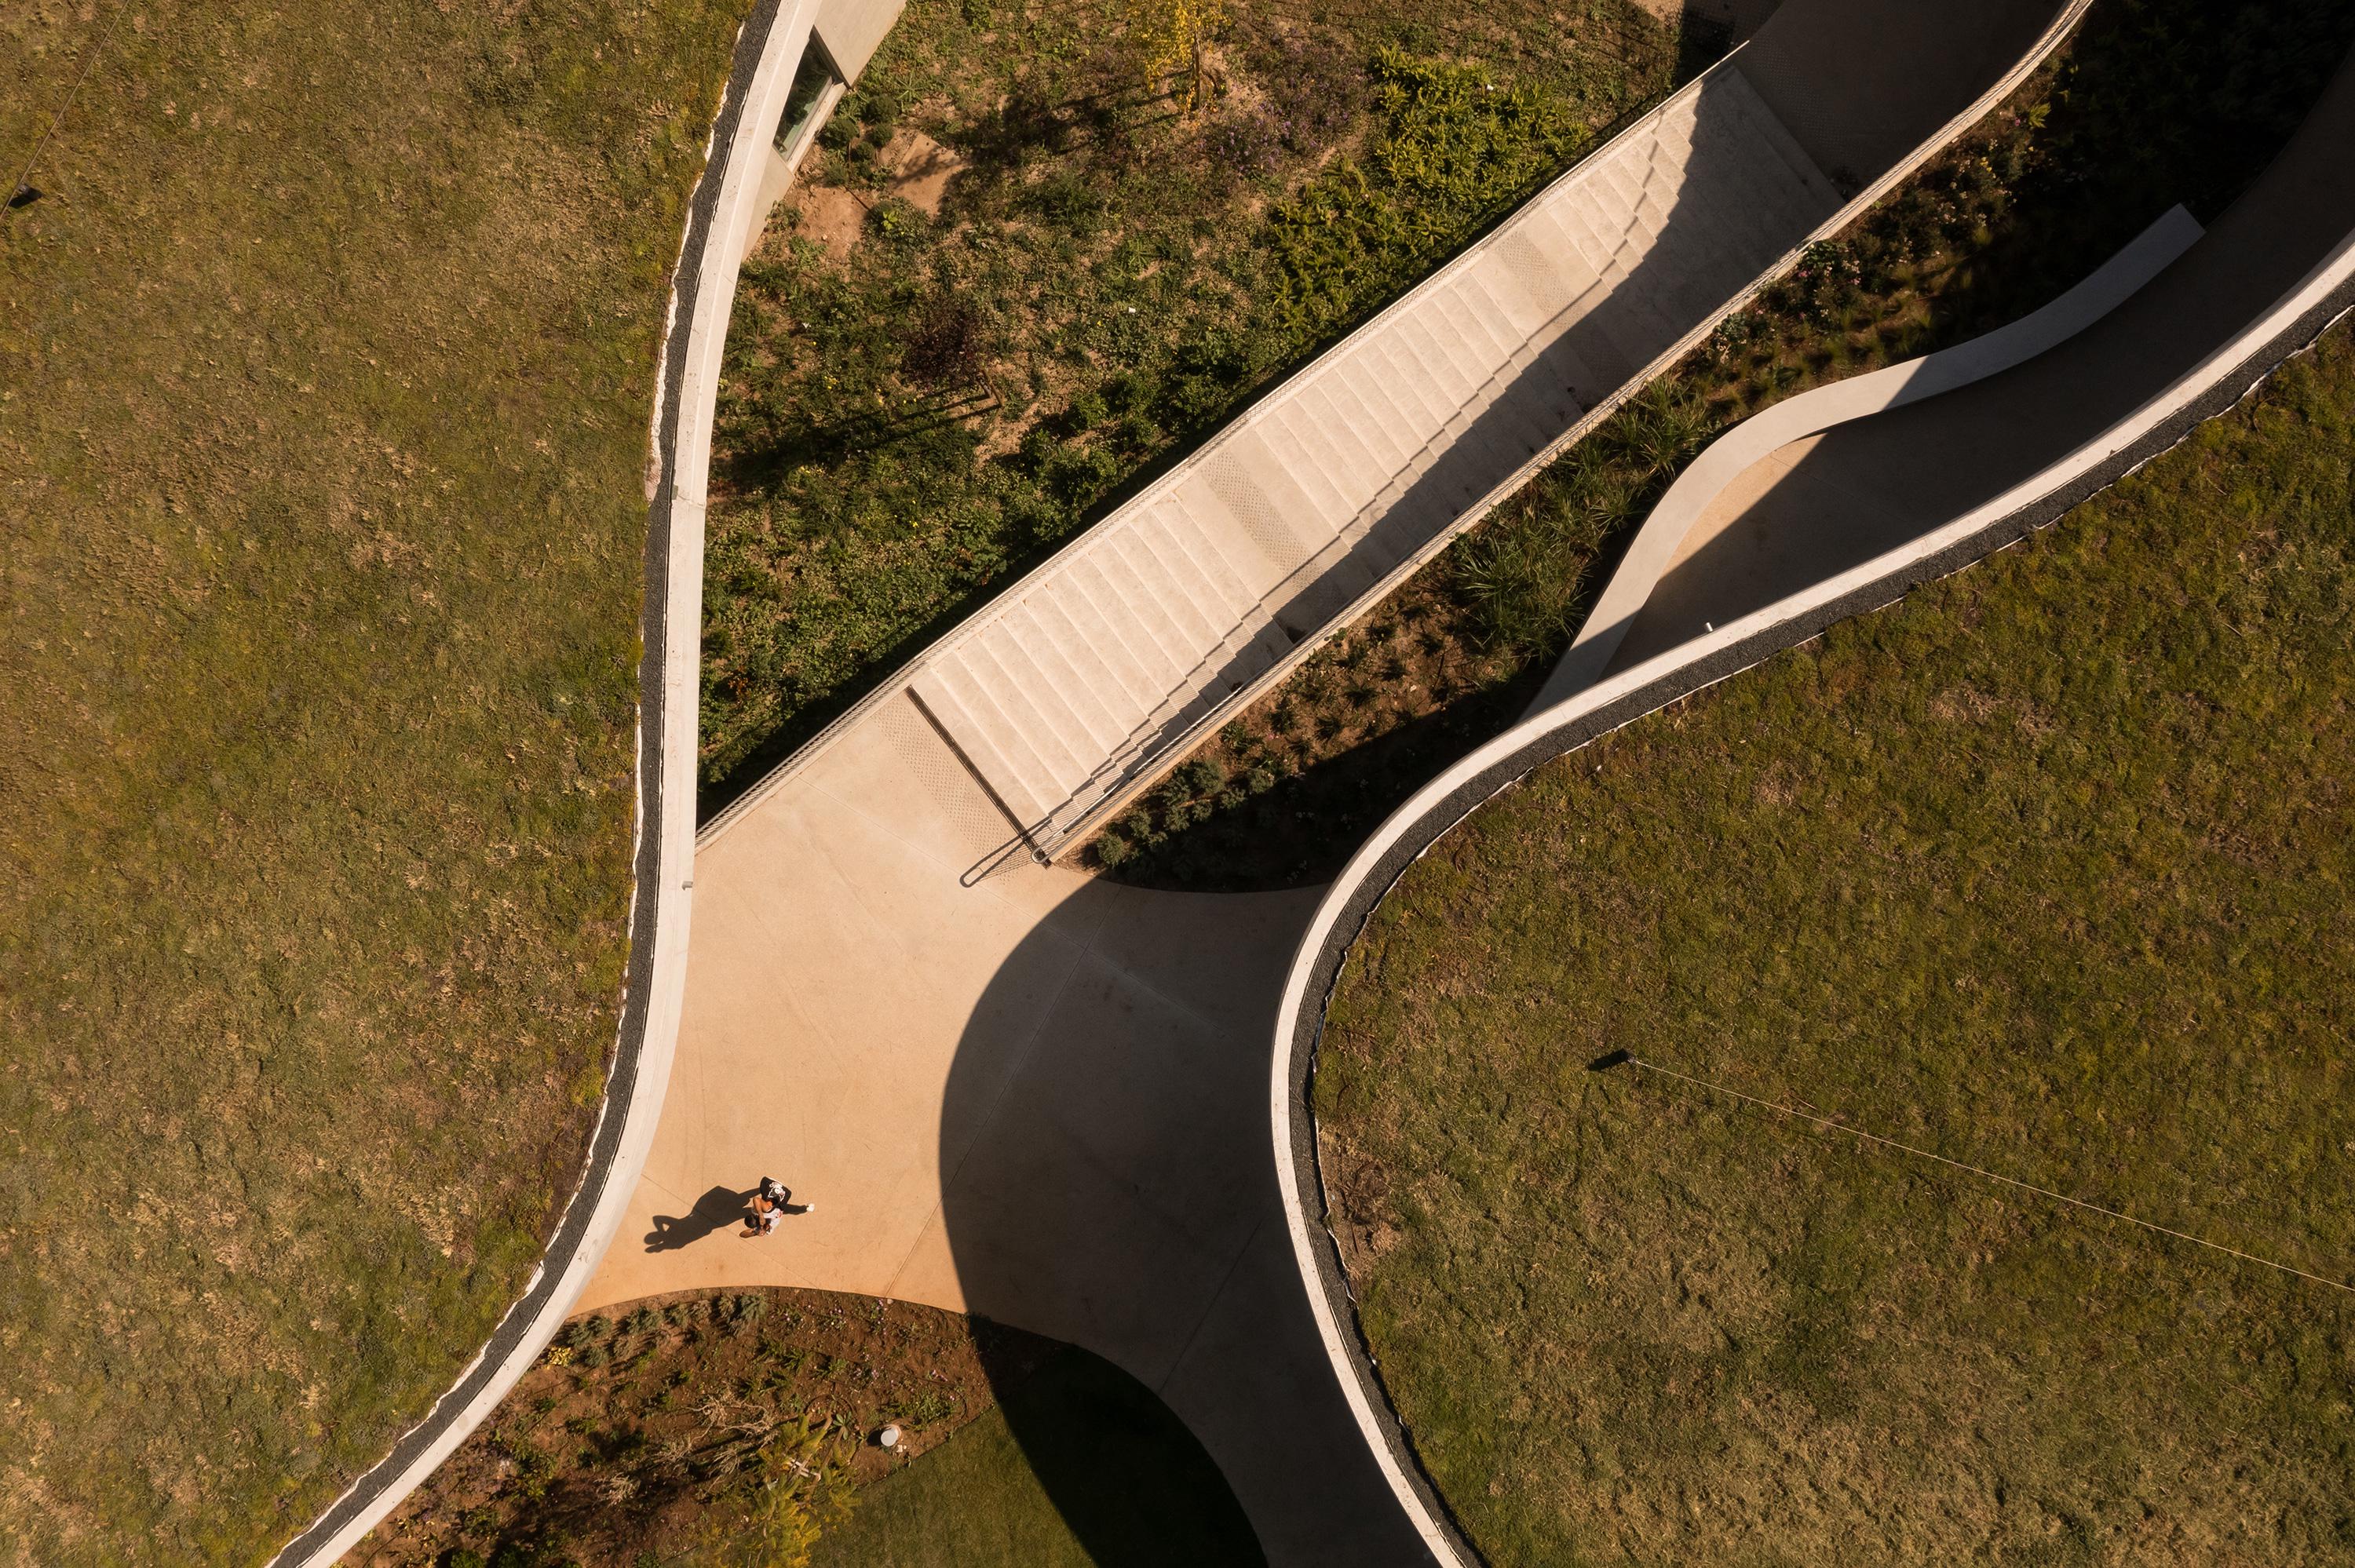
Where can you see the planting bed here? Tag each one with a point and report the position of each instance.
(2152, 103)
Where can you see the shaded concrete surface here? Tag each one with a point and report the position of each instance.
(1739, 468)
(1862, 83)
(1027, 1094)
(1818, 506)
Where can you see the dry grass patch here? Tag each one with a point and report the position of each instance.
(326, 364)
(2042, 870)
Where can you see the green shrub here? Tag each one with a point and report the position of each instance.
(1084, 267)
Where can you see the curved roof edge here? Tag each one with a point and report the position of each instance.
(768, 49)
(1837, 403)
(2215, 385)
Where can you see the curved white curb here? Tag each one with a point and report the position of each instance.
(1810, 413)
(769, 47)
(2218, 382)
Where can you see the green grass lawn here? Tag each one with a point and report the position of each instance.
(2044, 870)
(1078, 1465)
(906, 423)
(326, 369)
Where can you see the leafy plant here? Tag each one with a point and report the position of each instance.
(1173, 36)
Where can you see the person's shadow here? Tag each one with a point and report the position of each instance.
(714, 1211)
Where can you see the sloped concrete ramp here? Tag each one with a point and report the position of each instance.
(1816, 506)
(1063, 688)
(1728, 483)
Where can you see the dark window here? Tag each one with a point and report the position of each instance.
(811, 84)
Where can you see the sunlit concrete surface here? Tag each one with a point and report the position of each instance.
(1016, 1091)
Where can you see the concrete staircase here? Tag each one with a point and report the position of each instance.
(1076, 681)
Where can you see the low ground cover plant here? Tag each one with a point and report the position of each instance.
(699, 1425)
(2039, 871)
(2153, 104)
(326, 358)
(715, 1428)
(924, 398)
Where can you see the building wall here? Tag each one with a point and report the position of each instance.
(850, 29)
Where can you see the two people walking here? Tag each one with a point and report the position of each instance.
(770, 1204)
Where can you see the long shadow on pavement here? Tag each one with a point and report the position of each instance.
(714, 1211)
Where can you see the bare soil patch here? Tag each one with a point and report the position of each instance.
(828, 216)
(918, 170)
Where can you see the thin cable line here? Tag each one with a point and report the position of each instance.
(7, 208)
(1992, 1176)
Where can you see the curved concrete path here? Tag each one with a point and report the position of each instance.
(1738, 468)
(1879, 506)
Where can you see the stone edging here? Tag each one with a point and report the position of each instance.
(2215, 386)
(768, 48)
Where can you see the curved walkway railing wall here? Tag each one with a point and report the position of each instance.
(2213, 386)
(1811, 413)
(2064, 21)
(725, 205)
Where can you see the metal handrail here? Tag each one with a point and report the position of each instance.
(1048, 842)
(1175, 752)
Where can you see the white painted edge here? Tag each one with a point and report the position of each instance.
(666, 988)
(1732, 454)
(2313, 291)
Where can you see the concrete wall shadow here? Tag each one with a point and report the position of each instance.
(1107, 1181)
(1871, 486)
